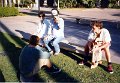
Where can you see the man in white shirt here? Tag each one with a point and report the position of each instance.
(42, 29)
(104, 37)
(57, 31)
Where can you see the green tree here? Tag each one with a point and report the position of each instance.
(68, 3)
(89, 3)
(114, 3)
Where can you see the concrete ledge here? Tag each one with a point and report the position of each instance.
(64, 44)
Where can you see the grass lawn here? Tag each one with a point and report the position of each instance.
(10, 48)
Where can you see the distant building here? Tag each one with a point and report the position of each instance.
(48, 3)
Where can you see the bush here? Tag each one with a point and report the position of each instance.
(114, 4)
(68, 3)
(88, 3)
(8, 11)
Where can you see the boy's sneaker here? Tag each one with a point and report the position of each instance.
(55, 70)
(94, 65)
(57, 53)
(110, 69)
(51, 52)
(81, 63)
(100, 62)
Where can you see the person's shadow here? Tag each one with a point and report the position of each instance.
(2, 79)
(103, 67)
(24, 34)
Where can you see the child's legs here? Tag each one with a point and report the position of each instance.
(93, 57)
(107, 53)
(86, 50)
(56, 45)
(43, 60)
(88, 47)
(41, 63)
(46, 42)
(99, 58)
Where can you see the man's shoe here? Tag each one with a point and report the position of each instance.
(110, 69)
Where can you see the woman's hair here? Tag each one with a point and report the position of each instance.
(34, 40)
(41, 14)
(97, 24)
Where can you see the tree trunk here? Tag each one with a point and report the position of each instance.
(38, 6)
(2, 3)
(10, 3)
(118, 3)
(5, 3)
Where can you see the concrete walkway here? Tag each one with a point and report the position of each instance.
(23, 26)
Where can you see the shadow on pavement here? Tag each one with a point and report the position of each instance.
(24, 34)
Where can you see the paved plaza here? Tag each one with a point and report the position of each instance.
(23, 26)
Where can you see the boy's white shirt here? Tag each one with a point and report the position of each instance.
(54, 31)
(42, 29)
(104, 36)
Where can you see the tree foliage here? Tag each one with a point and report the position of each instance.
(89, 3)
(8, 11)
(67, 3)
(114, 3)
